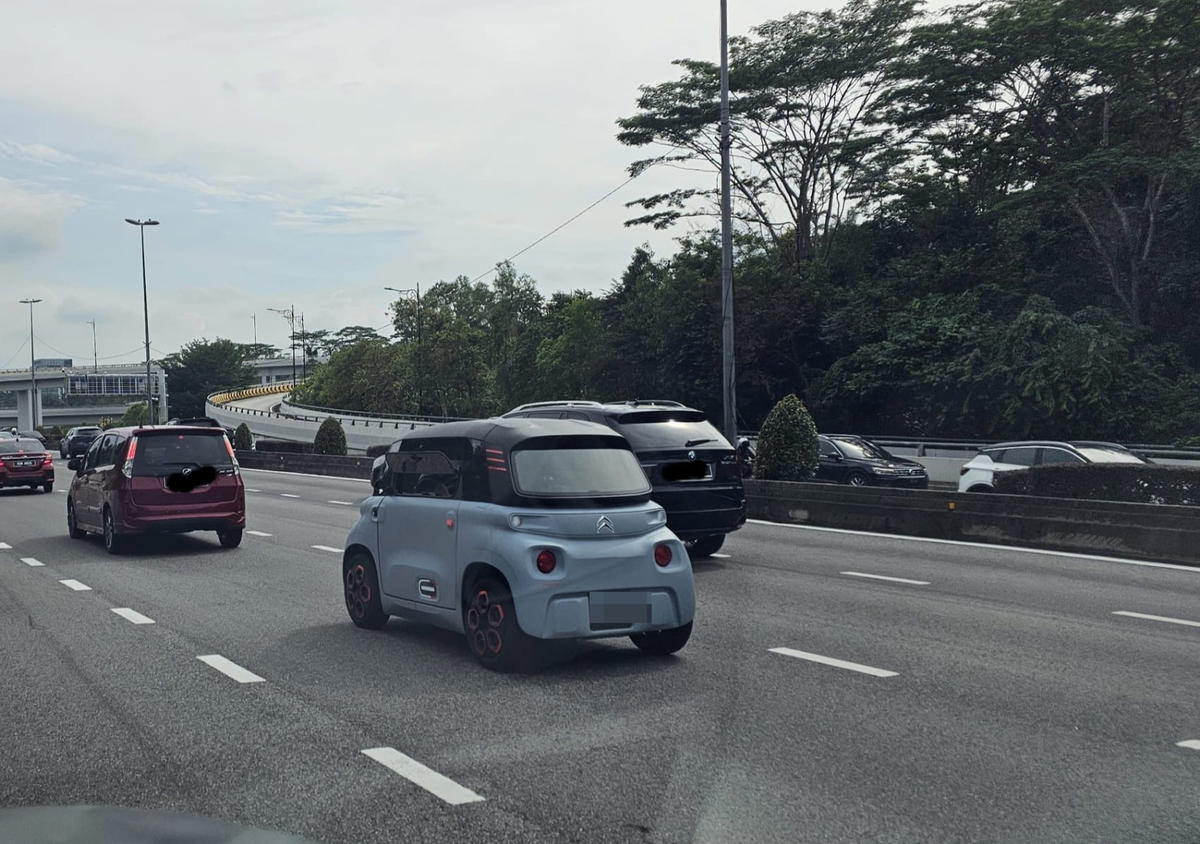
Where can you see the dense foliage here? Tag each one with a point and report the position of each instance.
(1140, 483)
(787, 444)
(242, 439)
(330, 439)
(984, 223)
(203, 367)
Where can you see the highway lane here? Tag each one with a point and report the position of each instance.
(1021, 707)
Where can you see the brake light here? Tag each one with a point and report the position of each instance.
(127, 469)
(546, 561)
(47, 461)
(233, 458)
(663, 555)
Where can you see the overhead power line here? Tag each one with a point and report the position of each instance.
(21, 347)
(556, 229)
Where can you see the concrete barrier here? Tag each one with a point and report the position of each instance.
(311, 464)
(1144, 531)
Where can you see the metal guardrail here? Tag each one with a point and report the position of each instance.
(921, 444)
(357, 414)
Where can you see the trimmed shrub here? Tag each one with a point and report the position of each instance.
(286, 446)
(787, 443)
(330, 439)
(242, 440)
(1150, 483)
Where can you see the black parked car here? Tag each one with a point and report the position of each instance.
(859, 462)
(692, 468)
(78, 440)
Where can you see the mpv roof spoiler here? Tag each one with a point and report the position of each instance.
(565, 403)
(650, 403)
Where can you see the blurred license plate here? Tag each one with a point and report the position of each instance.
(619, 607)
(25, 464)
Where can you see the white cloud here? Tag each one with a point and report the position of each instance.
(31, 220)
(38, 153)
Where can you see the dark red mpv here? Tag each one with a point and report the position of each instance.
(157, 479)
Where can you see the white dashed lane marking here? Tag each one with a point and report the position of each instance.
(230, 669)
(132, 616)
(252, 490)
(347, 503)
(327, 548)
(836, 663)
(32, 561)
(1163, 618)
(4, 546)
(76, 585)
(1190, 744)
(436, 784)
(287, 495)
(257, 533)
(885, 577)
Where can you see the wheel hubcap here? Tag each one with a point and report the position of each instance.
(485, 619)
(358, 591)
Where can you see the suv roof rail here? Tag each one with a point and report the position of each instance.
(564, 403)
(651, 402)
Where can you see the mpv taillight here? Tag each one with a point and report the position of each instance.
(127, 469)
(233, 457)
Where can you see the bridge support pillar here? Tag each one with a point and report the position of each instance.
(27, 410)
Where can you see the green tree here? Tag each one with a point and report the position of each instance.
(135, 414)
(787, 444)
(242, 440)
(801, 91)
(348, 336)
(203, 367)
(330, 439)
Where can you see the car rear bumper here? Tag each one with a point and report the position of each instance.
(181, 523)
(26, 478)
(696, 512)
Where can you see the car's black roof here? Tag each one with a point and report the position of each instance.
(507, 432)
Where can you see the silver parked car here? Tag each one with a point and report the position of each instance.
(518, 530)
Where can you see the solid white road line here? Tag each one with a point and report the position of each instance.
(230, 669)
(347, 503)
(76, 585)
(836, 663)
(132, 615)
(287, 495)
(1167, 619)
(252, 490)
(32, 561)
(326, 548)
(429, 779)
(1190, 744)
(257, 533)
(4, 546)
(989, 545)
(885, 577)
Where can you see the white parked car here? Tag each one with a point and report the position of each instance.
(978, 474)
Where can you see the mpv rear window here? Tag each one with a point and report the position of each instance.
(162, 454)
(669, 429)
(577, 467)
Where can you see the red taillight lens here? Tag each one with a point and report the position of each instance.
(546, 561)
(663, 555)
(47, 460)
(132, 450)
(228, 446)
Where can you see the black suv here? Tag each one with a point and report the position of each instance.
(691, 466)
(859, 462)
(78, 440)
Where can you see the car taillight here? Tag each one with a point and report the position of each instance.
(233, 457)
(127, 469)
(47, 461)
(663, 555)
(546, 561)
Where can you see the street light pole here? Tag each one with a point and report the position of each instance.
(141, 224)
(728, 373)
(33, 392)
(417, 357)
(254, 320)
(290, 316)
(95, 354)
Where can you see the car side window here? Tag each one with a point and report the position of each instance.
(545, 414)
(828, 449)
(425, 471)
(108, 447)
(93, 452)
(1058, 455)
(573, 414)
(1020, 456)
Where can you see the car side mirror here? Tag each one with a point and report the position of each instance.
(75, 464)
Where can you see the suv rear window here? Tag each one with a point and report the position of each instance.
(162, 454)
(669, 429)
(577, 467)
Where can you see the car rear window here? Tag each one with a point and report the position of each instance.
(587, 468)
(669, 429)
(861, 449)
(159, 455)
(15, 446)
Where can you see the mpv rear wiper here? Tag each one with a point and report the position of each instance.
(691, 443)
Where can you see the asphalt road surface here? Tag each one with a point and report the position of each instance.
(980, 694)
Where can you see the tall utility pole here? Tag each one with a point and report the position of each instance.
(95, 354)
(254, 321)
(417, 357)
(728, 373)
(303, 348)
(33, 390)
(290, 316)
(141, 224)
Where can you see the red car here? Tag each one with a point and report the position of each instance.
(25, 462)
(157, 479)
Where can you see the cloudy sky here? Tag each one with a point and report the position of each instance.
(312, 151)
